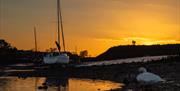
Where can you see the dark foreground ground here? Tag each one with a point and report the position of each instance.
(169, 69)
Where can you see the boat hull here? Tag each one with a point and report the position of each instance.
(59, 59)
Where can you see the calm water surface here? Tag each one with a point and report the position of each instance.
(55, 84)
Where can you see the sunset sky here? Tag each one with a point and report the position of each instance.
(93, 25)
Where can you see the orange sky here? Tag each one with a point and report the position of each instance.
(93, 25)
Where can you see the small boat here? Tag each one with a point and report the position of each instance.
(61, 57)
(53, 58)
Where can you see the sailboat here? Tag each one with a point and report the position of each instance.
(61, 57)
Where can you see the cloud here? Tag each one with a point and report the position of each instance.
(136, 38)
(107, 40)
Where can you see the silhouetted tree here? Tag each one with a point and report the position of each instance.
(84, 53)
(6, 46)
(133, 42)
(7, 52)
(51, 50)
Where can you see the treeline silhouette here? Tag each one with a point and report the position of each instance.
(7, 52)
(11, 55)
(127, 51)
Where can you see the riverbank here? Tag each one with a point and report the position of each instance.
(167, 68)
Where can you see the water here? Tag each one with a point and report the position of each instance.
(55, 84)
(127, 60)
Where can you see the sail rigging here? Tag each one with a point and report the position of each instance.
(60, 24)
(58, 28)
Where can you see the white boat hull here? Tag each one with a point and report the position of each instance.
(59, 59)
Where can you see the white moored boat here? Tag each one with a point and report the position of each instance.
(56, 59)
(61, 57)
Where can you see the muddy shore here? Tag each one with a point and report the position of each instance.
(167, 68)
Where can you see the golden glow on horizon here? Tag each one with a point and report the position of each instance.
(93, 25)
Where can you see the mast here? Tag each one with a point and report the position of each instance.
(35, 40)
(58, 28)
(35, 44)
(61, 22)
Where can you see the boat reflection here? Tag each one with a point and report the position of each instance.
(74, 84)
(55, 84)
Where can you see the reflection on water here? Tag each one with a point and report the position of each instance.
(91, 85)
(54, 84)
(15, 84)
